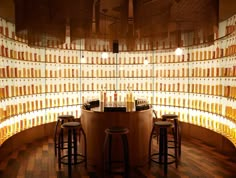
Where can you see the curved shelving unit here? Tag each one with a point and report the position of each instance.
(37, 84)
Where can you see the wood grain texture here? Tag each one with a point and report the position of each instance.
(37, 160)
(139, 124)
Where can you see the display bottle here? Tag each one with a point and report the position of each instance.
(115, 97)
(105, 95)
(101, 95)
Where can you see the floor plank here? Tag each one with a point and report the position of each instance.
(37, 160)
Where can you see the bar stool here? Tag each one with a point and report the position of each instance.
(161, 127)
(72, 157)
(176, 131)
(110, 132)
(60, 120)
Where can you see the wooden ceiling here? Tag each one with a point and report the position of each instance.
(117, 19)
(227, 8)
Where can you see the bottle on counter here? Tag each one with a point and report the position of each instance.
(130, 100)
(130, 95)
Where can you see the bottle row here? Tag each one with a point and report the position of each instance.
(230, 25)
(25, 121)
(218, 88)
(226, 61)
(221, 106)
(93, 72)
(77, 57)
(211, 121)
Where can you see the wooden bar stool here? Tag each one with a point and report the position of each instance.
(110, 132)
(73, 156)
(161, 127)
(176, 131)
(60, 120)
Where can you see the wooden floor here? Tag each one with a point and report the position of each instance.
(37, 160)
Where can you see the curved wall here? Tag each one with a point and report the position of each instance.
(37, 84)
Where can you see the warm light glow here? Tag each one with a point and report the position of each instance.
(145, 61)
(83, 59)
(178, 51)
(104, 55)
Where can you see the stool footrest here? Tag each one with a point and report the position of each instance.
(158, 162)
(81, 160)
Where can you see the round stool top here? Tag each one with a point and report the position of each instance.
(71, 125)
(169, 116)
(66, 117)
(163, 124)
(117, 130)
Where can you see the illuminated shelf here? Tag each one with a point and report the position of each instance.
(199, 84)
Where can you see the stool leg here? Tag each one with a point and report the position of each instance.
(161, 142)
(69, 152)
(126, 153)
(75, 145)
(176, 142)
(179, 139)
(165, 149)
(59, 150)
(150, 146)
(62, 136)
(55, 138)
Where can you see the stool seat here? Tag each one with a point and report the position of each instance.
(71, 125)
(65, 117)
(169, 116)
(117, 130)
(163, 124)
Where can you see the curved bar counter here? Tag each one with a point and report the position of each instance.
(139, 124)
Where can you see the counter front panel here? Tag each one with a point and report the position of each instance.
(139, 124)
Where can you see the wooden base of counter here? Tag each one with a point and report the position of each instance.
(139, 124)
